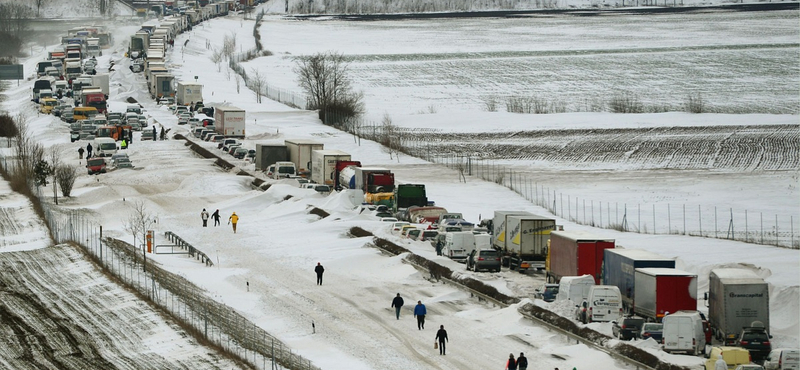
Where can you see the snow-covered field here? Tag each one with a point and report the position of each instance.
(278, 242)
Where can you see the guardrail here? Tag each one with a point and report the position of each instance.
(191, 250)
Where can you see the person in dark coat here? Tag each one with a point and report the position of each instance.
(89, 150)
(80, 153)
(319, 270)
(419, 313)
(215, 216)
(522, 362)
(163, 133)
(204, 217)
(511, 364)
(154, 133)
(441, 335)
(397, 303)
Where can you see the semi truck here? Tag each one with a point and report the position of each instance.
(323, 165)
(100, 81)
(619, 265)
(230, 121)
(407, 195)
(340, 166)
(94, 97)
(374, 180)
(188, 93)
(574, 253)
(528, 237)
(660, 291)
(498, 227)
(736, 299)
(269, 154)
(300, 153)
(161, 85)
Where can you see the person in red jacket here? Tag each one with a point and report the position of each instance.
(511, 364)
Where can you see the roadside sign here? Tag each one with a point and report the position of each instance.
(11, 72)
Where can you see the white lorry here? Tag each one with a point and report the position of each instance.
(323, 165)
(230, 121)
(188, 93)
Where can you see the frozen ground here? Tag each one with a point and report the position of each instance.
(278, 242)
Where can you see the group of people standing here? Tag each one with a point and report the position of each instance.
(419, 312)
(520, 362)
(233, 220)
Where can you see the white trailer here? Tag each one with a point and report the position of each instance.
(188, 93)
(323, 165)
(229, 121)
(300, 153)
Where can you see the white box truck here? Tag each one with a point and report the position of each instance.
(188, 93)
(300, 153)
(229, 121)
(323, 165)
(737, 297)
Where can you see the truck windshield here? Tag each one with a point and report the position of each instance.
(108, 146)
(286, 170)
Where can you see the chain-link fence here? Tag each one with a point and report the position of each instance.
(701, 220)
(185, 302)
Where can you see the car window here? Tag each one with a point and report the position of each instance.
(488, 253)
(652, 326)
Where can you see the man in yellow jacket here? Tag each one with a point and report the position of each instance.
(233, 220)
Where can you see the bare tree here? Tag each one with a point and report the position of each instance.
(55, 161)
(29, 152)
(217, 57)
(257, 82)
(66, 176)
(39, 5)
(14, 26)
(391, 137)
(325, 79)
(7, 128)
(139, 222)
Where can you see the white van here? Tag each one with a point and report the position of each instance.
(459, 244)
(282, 170)
(783, 359)
(604, 304)
(104, 147)
(574, 288)
(683, 332)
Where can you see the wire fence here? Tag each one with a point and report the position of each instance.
(184, 301)
(702, 220)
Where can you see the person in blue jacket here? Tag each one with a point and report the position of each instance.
(419, 313)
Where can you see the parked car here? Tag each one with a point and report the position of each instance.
(147, 135)
(483, 259)
(239, 153)
(755, 340)
(406, 228)
(427, 235)
(397, 227)
(232, 148)
(548, 293)
(183, 119)
(628, 328)
(251, 153)
(225, 144)
(733, 356)
(123, 162)
(96, 165)
(322, 189)
(783, 359)
(749, 367)
(652, 330)
(194, 122)
(413, 234)
(388, 219)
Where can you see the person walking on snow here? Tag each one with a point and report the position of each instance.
(319, 270)
(511, 364)
(419, 313)
(441, 335)
(88, 150)
(80, 153)
(522, 362)
(233, 220)
(397, 303)
(215, 216)
(204, 216)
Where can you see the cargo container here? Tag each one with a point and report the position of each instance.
(619, 265)
(574, 253)
(499, 237)
(100, 81)
(300, 153)
(737, 298)
(267, 155)
(527, 241)
(323, 165)
(161, 85)
(660, 291)
(188, 93)
(407, 195)
(230, 121)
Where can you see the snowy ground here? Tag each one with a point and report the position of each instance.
(278, 242)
